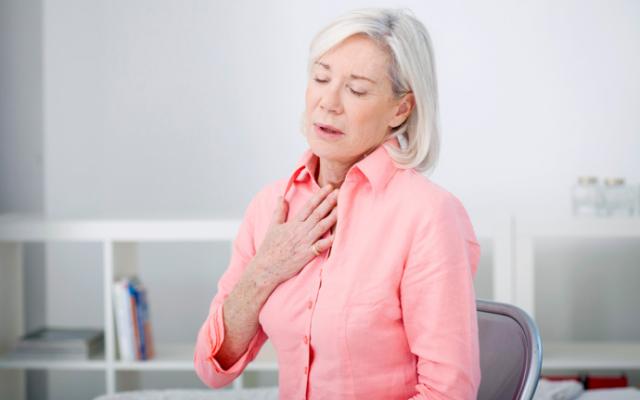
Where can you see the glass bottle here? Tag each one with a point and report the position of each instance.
(620, 200)
(587, 197)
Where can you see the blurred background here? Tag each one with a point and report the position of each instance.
(154, 110)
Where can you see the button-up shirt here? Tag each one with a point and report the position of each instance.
(387, 313)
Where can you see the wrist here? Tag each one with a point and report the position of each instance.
(260, 277)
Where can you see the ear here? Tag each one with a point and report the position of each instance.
(403, 111)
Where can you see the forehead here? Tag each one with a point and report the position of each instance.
(357, 54)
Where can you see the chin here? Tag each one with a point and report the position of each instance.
(326, 150)
(334, 156)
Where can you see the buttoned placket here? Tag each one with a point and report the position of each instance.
(347, 186)
(306, 337)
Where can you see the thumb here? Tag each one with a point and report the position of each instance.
(280, 213)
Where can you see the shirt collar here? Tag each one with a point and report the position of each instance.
(377, 167)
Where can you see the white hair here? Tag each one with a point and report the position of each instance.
(411, 69)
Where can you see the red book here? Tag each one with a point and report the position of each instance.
(599, 381)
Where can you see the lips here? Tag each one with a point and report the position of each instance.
(330, 129)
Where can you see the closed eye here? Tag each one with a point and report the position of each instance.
(351, 90)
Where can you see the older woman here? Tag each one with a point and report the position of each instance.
(358, 268)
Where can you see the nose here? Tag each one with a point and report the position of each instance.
(330, 101)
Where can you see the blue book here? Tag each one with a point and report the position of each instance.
(134, 290)
(146, 324)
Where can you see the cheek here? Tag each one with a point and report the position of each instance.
(368, 123)
(365, 117)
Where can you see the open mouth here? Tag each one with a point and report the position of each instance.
(328, 129)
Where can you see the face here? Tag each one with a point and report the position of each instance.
(349, 90)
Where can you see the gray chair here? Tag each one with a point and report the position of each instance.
(510, 352)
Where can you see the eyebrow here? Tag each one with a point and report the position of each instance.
(353, 76)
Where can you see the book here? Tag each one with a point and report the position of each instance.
(135, 287)
(600, 381)
(131, 312)
(146, 325)
(124, 320)
(60, 343)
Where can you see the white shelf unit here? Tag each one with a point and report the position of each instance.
(512, 240)
(118, 240)
(572, 355)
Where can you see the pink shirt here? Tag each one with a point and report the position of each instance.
(389, 313)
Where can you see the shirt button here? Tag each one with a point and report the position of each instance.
(306, 339)
(306, 370)
(309, 304)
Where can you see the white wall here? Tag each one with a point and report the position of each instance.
(151, 108)
(185, 109)
(21, 139)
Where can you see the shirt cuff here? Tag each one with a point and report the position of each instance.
(216, 334)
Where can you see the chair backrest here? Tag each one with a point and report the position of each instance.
(510, 352)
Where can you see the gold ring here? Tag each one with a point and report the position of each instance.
(315, 249)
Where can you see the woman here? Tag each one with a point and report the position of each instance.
(357, 267)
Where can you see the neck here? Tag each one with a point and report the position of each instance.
(333, 172)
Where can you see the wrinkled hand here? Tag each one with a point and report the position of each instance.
(287, 246)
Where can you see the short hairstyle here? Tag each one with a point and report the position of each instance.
(412, 68)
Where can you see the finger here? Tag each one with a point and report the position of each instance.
(321, 227)
(280, 213)
(324, 208)
(322, 245)
(311, 205)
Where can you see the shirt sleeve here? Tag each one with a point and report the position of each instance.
(438, 303)
(211, 334)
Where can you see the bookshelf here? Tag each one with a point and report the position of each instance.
(528, 234)
(512, 242)
(118, 240)
(592, 355)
